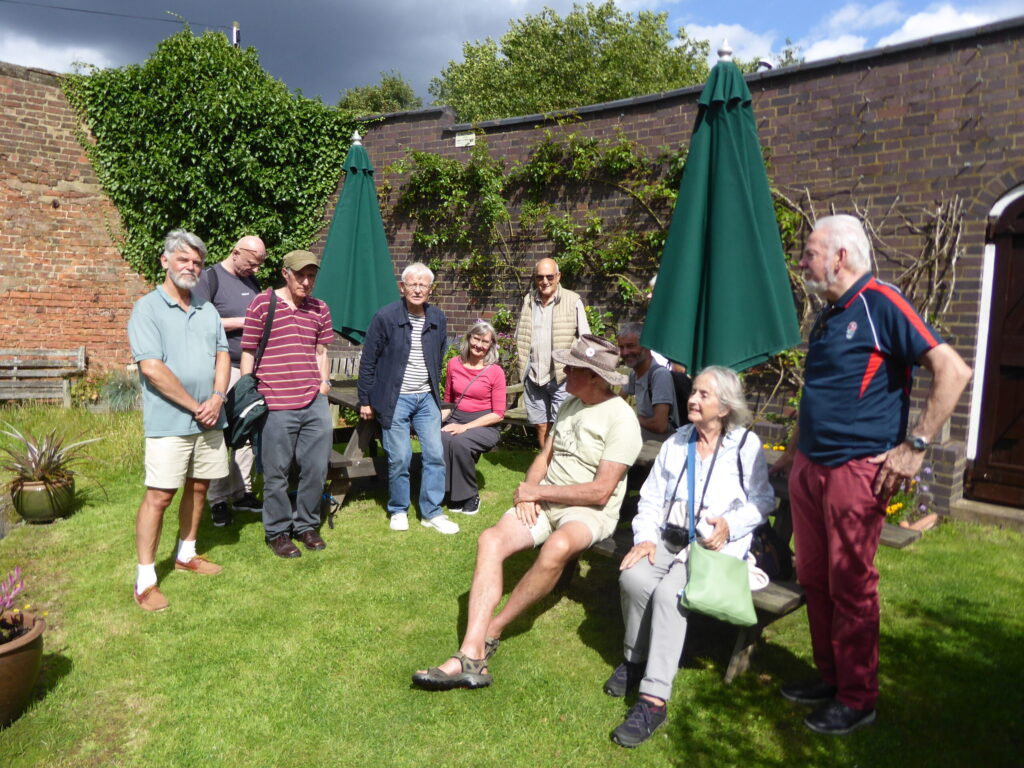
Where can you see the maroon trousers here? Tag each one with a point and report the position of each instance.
(837, 522)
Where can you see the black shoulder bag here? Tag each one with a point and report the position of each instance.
(246, 407)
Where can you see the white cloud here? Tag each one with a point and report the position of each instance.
(29, 52)
(937, 21)
(835, 46)
(856, 16)
(745, 44)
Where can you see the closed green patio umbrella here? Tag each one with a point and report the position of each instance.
(723, 295)
(356, 275)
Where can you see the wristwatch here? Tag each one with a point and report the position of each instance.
(917, 442)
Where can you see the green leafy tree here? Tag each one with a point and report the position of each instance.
(791, 55)
(392, 94)
(201, 137)
(545, 62)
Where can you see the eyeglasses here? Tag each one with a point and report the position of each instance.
(544, 278)
(417, 287)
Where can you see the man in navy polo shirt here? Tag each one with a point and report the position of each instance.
(852, 451)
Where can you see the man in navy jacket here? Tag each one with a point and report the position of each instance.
(399, 382)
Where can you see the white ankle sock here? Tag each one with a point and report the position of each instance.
(186, 550)
(145, 577)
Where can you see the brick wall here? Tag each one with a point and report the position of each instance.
(62, 282)
(888, 134)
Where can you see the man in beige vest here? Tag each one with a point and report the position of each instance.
(552, 319)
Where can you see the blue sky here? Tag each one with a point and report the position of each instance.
(325, 46)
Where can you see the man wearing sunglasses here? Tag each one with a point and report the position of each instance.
(552, 319)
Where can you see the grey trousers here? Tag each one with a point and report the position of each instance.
(461, 453)
(240, 461)
(305, 435)
(655, 622)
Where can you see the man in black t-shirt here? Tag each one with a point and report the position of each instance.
(231, 286)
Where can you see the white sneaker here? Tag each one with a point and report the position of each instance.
(441, 523)
(399, 522)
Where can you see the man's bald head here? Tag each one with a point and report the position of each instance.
(545, 278)
(246, 257)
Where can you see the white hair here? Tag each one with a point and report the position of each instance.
(845, 231)
(417, 268)
(729, 390)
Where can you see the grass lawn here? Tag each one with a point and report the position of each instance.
(307, 662)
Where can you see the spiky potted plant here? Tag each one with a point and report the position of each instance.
(43, 486)
(21, 650)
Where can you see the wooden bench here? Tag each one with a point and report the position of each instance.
(39, 374)
(779, 598)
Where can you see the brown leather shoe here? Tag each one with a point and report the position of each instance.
(151, 599)
(199, 564)
(282, 546)
(311, 540)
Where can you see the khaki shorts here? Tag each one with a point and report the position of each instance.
(600, 524)
(169, 460)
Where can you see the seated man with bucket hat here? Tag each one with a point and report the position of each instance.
(568, 501)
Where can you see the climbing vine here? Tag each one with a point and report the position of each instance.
(483, 216)
(201, 137)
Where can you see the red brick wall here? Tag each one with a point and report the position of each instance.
(888, 134)
(62, 282)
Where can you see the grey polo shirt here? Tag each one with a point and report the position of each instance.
(188, 343)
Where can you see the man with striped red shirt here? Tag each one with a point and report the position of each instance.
(294, 377)
(851, 452)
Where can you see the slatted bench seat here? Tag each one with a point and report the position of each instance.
(778, 599)
(39, 374)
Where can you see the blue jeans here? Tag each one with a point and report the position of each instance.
(422, 413)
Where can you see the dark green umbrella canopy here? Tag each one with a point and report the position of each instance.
(356, 275)
(723, 295)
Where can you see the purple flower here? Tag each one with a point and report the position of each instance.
(924, 489)
(927, 470)
(922, 507)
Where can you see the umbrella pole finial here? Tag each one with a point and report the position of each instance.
(357, 140)
(724, 51)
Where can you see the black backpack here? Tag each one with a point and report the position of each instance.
(771, 553)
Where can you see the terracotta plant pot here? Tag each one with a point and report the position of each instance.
(38, 502)
(20, 660)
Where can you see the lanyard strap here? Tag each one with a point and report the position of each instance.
(691, 482)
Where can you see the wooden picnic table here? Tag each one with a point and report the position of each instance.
(359, 458)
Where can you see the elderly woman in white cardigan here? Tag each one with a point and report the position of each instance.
(732, 497)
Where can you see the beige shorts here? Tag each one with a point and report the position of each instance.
(169, 460)
(600, 524)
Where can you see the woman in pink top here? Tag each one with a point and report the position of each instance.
(476, 384)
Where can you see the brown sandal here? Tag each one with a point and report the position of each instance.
(471, 676)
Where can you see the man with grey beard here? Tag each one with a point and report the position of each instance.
(854, 446)
(182, 354)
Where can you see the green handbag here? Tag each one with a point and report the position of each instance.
(717, 584)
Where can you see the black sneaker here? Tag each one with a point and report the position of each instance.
(249, 503)
(836, 719)
(808, 692)
(642, 721)
(468, 507)
(221, 514)
(625, 678)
